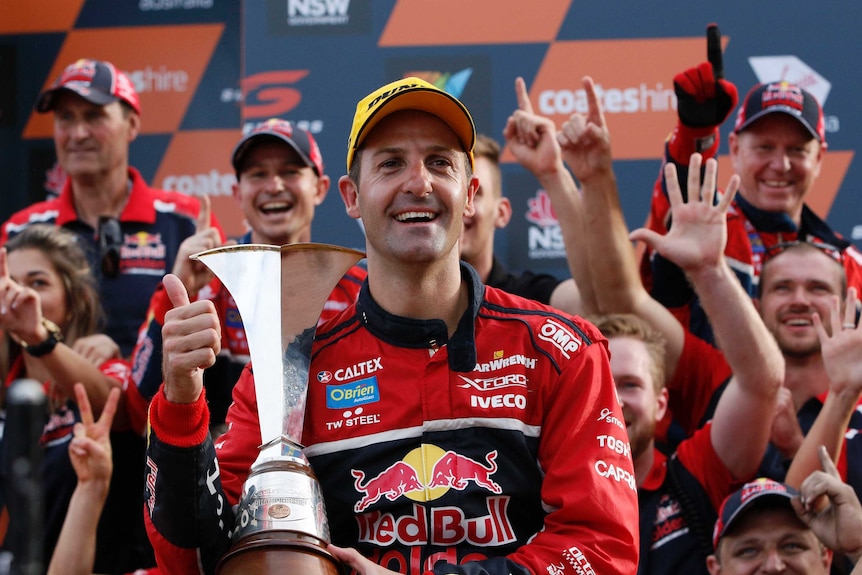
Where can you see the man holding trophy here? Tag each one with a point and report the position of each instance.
(452, 427)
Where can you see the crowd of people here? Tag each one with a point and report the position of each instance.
(690, 407)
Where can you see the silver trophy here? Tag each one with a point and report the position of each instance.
(281, 523)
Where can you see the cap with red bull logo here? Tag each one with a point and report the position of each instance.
(96, 81)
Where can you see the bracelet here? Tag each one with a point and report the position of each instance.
(55, 336)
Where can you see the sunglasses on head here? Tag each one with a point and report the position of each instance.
(110, 242)
(828, 249)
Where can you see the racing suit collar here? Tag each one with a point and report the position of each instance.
(427, 334)
(810, 223)
(763, 220)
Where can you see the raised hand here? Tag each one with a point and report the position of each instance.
(585, 140)
(531, 137)
(831, 508)
(97, 348)
(20, 307)
(90, 448)
(698, 234)
(194, 274)
(840, 343)
(191, 340)
(704, 97)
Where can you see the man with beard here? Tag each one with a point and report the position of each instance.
(678, 494)
(777, 146)
(801, 286)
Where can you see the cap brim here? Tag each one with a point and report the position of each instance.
(436, 102)
(772, 497)
(48, 98)
(243, 147)
(793, 113)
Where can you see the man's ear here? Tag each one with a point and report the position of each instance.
(472, 187)
(661, 404)
(350, 196)
(323, 183)
(504, 213)
(134, 126)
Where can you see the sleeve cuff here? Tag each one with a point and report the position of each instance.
(179, 424)
(684, 141)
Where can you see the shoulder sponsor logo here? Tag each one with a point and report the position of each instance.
(576, 558)
(503, 401)
(560, 337)
(356, 370)
(608, 416)
(495, 383)
(618, 474)
(616, 445)
(353, 418)
(352, 394)
(501, 362)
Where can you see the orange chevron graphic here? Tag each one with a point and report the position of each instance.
(451, 22)
(827, 186)
(635, 84)
(165, 63)
(198, 162)
(41, 16)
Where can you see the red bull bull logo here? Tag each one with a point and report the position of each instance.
(393, 482)
(457, 471)
(412, 478)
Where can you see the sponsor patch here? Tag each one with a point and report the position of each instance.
(352, 394)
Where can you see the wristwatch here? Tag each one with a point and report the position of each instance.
(46, 346)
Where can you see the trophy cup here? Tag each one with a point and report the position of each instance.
(281, 524)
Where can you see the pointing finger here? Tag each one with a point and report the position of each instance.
(203, 222)
(523, 96)
(713, 51)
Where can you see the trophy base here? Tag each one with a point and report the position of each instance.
(272, 552)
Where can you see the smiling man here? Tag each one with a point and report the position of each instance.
(477, 451)
(777, 147)
(280, 181)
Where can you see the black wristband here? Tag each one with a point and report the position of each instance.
(47, 345)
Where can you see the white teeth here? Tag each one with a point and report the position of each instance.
(798, 322)
(776, 183)
(272, 206)
(423, 216)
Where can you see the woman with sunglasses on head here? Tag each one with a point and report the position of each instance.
(48, 299)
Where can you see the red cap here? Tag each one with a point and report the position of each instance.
(786, 98)
(297, 138)
(96, 81)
